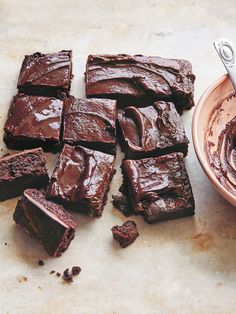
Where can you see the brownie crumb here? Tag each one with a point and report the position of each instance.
(52, 272)
(67, 276)
(22, 279)
(75, 270)
(125, 234)
(58, 274)
(41, 262)
(121, 203)
(5, 243)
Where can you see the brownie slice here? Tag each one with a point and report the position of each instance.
(21, 171)
(125, 234)
(48, 222)
(90, 123)
(81, 179)
(33, 121)
(46, 74)
(151, 131)
(159, 188)
(140, 80)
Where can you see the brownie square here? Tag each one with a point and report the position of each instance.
(46, 74)
(81, 179)
(33, 121)
(151, 131)
(140, 80)
(159, 188)
(90, 123)
(48, 222)
(20, 171)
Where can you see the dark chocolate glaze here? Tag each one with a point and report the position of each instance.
(33, 121)
(147, 79)
(151, 131)
(125, 234)
(46, 74)
(223, 161)
(45, 220)
(159, 188)
(20, 171)
(90, 123)
(81, 179)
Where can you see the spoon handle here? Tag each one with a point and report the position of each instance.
(225, 50)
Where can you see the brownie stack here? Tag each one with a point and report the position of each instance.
(134, 100)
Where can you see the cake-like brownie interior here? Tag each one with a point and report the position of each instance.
(33, 121)
(20, 171)
(81, 179)
(151, 131)
(159, 188)
(125, 234)
(140, 80)
(46, 74)
(48, 222)
(90, 123)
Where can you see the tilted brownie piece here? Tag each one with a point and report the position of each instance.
(21, 171)
(125, 234)
(159, 188)
(46, 74)
(48, 222)
(140, 80)
(151, 131)
(33, 121)
(90, 123)
(81, 179)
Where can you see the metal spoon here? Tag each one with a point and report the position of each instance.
(225, 50)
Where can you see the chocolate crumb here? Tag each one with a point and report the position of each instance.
(126, 233)
(52, 272)
(22, 279)
(5, 243)
(41, 262)
(58, 274)
(67, 276)
(75, 270)
(121, 203)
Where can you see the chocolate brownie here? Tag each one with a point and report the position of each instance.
(125, 234)
(159, 188)
(140, 80)
(151, 131)
(48, 222)
(33, 121)
(21, 171)
(46, 74)
(81, 179)
(90, 123)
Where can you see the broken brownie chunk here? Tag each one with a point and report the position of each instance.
(121, 203)
(90, 123)
(20, 171)
(140, 80)
(48, 222)
(46, 74)
(33, 121)
(81, 179)
(125, 234)
(159, 188)
(151, 131)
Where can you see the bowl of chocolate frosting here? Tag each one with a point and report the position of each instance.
(214, 136)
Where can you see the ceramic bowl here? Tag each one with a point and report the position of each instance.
(215, 105)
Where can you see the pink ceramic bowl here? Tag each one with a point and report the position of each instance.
(206, 108)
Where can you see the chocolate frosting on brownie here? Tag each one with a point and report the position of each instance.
(140, 77)
(159, 188)
(81, 179)
(48, 70)
(90, 122)
(151, 131)
(33, 120)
